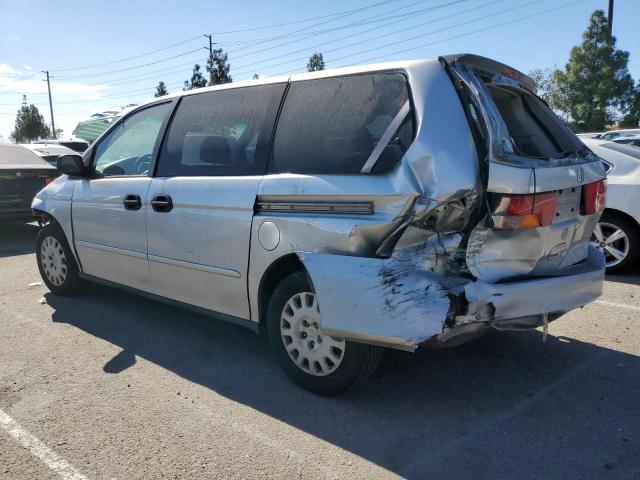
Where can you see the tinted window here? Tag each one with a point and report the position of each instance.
(226, 132)
(332, 125)
(128, 149)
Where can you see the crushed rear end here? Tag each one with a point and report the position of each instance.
(512, 253)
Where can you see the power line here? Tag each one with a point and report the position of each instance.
(90, 75)
(484, 29)
(88, 67)
(440, 30)
(376, 28)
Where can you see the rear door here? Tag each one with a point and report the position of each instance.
(109, 208)
(544, 188)
(203, 194)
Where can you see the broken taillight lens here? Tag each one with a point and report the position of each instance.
(594, 197)
(514, 212)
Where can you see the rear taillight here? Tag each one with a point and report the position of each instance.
(514, 212)
(594, 197)
(48, 180)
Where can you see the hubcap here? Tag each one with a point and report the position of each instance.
(54, 261)
(612, 241)
(311, 350)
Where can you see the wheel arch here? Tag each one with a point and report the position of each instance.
(272, 276)
(45, 217)
(620, 213)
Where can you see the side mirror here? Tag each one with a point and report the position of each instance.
(70, 165)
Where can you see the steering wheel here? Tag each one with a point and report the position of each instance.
(142, 163)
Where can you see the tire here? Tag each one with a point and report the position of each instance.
(353, 365)
(57, 265)
(628, 245)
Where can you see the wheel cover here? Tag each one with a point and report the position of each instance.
(54, 261)
(312, 351)
(611, 240)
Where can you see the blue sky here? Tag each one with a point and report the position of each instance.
(68, 37)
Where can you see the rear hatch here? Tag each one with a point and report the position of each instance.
(543, 189)
(22, 175)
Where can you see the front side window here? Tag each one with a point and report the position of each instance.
(128, 149)
(332, 125)
(224, 132)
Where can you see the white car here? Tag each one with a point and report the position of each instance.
(633, 140)
(611, 134)
(49, 152)
(617, 233)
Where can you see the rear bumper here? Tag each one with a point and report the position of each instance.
(523, 304)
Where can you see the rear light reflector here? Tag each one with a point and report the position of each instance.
(594, 197)
(514, 212)
(48, 180)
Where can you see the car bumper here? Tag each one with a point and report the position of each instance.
(528, 303)
(394, 304)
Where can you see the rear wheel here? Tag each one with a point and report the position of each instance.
(317, 362)
(56, 263)
(617, 237)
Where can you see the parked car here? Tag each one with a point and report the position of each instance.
(618, 231)
(22, 175)
(49, 152)
(633, 140)
(343, 211)
(610, 135)
(78, 145)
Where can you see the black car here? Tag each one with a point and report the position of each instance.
(22, 175)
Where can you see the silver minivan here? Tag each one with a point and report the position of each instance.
(343, 212)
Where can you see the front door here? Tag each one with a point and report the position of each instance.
(203, 195)
(109, 208)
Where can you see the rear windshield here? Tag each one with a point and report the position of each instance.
(332, 125)
(534, 130)
(14, 155)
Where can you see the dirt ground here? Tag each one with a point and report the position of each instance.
(114, 386)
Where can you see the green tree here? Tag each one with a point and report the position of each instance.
(595, 85)
(29, 124)
(197, 80)
(218, 68)
(161, 90)
(632, 118)
(548, 89)
(316, 63)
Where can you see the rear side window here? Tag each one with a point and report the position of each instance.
(332, 125)
(225, 132)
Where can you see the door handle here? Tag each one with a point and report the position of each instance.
(132, 202)
(162, 203)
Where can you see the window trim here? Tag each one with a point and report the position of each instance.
(412, 114)
(94, 175)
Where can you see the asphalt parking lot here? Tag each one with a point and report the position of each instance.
(113, 386)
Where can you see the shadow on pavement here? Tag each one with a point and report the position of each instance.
(505, 406)
(18, 238)
(631, 278)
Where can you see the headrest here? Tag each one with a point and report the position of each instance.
(215, 149)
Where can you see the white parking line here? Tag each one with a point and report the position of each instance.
(618, 305)
(38, 449)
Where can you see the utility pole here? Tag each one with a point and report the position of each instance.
(53, 125)
(210, 43)
(610, 18)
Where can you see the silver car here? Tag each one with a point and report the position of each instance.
(395, 205)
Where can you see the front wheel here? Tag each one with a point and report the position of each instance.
(617, 238)
(56, 263)
(317, 362)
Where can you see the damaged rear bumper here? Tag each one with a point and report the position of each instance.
(396, 304)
